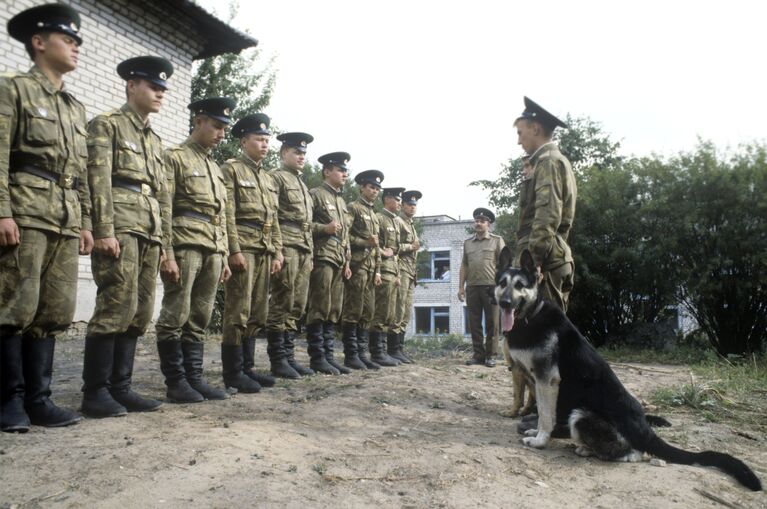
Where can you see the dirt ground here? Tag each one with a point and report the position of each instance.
(423, 435)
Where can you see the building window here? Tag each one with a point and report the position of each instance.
(434, 265)
(432, 320)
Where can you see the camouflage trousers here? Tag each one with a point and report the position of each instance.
(290, 287)
(246, 302)
(326, 293)
(557, 285)
(188, 304)
(359, 295)
(404, 302)
(126, 287)
(38, 283)
(386, 303)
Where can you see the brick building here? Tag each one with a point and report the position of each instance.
(114, 30)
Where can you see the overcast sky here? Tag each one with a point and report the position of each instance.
(427, 91)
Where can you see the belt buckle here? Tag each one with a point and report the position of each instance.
(215, 220)
(66, 181)
(146, 190)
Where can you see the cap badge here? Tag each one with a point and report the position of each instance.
(74, 27)
(262, 125)
(163, 76)
(378, 180)
(40, 24)
(226, 111)
(303, 143)
(43, 112)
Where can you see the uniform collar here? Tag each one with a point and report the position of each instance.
(388, 213)
(365, 202)
(297, 173)
(41, 78)
(546, 147)
(249, 162)
(477, 237)
(135, 118)
(332, 189)
(189, 142)
(404, 217)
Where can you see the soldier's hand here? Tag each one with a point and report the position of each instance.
(333, 227)
(416, 245)
(377, 280)
(108, 246)
(373, 241)
(276, 265)
(238, 263)
(397, 282)
(86, 242)
(387, 252)
(461, 294)
(225, 274)
(347, 272)
(169, 271)
(9, 232)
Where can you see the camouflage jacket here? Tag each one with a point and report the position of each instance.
(364, 224)
(195, 188)
(295, 209)
(43, 129)
(329, 205)
(388, 237)
(407, 252)
(547, 208)
(251, 214)
(126, 175)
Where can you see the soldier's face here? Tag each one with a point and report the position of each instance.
(526, 135)
(209, 131)
(481, 225)
(408, 209)
(392, 204)
(370, 192)
(57, 50)
(335, 177)
(293, 158)
(256, 146)
(145, 96)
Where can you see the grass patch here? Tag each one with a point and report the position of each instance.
(433, 346)
(678, 355)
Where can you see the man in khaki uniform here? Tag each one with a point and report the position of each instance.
(331, 263)
(126, 176)
(291, 285)
(359, 293)
(408, 251)
(546, 203)
(385, 314)
(255, 252)
(195, 244)
(44, 213)
(476, 286)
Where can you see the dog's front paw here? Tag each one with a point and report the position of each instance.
(538, 442)
(531, 433)
(511, 412)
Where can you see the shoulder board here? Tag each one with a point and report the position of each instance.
(494, 235)
(111, 113)
(230, 161)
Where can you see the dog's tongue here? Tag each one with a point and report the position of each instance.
(507, 319)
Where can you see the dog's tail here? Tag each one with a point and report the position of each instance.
(724, 462)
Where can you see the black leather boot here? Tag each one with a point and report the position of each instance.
(122, 377)
(317, 360)
(401, 349)
(349, 339)
(279, 361)
(172, 366)
(377, 352)
(328, 344)
(194, 353)
(392, 347)
(231, 360)
(37, 360)
(248, 363)
(362, 348)
(13, 418)
(97, 370)
(290, 354)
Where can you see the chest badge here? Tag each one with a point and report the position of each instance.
(196, 173)
(42, 111)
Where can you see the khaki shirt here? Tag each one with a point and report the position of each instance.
(295, 209)
(364, 224)
(45, 128)
(195, 184)
(547, 208)
(407, 252)
(251, 216)
(328, 205)
(388, 237)
(121, 147)
(480, 257)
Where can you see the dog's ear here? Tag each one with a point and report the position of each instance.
(504, 259)
(527, 263)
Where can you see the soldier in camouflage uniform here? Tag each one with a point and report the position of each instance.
(291, 285)
(44, 213)
(255, 247)
(546, 203)
(195, 245)
(331, 263)
(126, 176)
(408, 251)
(359, 293)
(385, 316)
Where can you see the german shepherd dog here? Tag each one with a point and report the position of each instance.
(576, 388)
(522, 383)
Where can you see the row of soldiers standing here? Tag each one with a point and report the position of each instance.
(107, 188)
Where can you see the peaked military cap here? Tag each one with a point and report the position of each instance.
(338, 159)
(298, 141)
(484, 213)
(154, 69)
(256, 123)
(374, 177)
(219, 108)
(45, 18)
(411, 197)
(395, 192)
(534, 111)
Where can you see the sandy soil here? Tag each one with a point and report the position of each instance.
(424, 435)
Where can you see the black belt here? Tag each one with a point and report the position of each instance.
(357, 249)
(132, 185)
(250, 224)
(295, 224)
(214, 220)
(60, 179)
